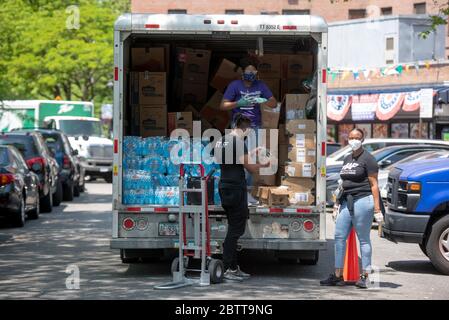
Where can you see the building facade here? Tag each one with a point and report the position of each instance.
(331, 10)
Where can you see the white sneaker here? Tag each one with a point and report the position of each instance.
(232, 275)
(242, 274)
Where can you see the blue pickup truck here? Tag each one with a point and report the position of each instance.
(418, 208)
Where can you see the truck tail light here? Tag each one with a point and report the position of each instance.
(128, 224)
(221, 22)
(234, 22)
(324, 76)
(38, 160)
(66, 164)
(289, 27)
(6, 179)
(309, 226)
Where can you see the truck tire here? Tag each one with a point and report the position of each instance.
(126, 259)
(57, 196)
(283, 260)
(438, 245)
(108, 178)
(68, 193)
(47, 203)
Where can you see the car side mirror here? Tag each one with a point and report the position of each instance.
(36, 167)
(74, 152)
(384, 163)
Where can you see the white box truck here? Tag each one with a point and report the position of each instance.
(136, 228)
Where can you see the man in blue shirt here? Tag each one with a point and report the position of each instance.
(245, 96)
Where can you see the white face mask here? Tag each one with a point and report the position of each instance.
(355, 144)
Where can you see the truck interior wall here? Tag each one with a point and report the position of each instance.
(233, 49)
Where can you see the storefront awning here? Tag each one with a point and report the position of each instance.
(390, 89)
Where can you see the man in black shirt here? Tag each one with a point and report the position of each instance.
(232, 154)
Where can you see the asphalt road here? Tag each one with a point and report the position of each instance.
(39, 260)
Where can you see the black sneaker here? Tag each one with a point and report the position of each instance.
(333, 280)
(363, 282)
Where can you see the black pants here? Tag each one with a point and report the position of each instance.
(234, 201)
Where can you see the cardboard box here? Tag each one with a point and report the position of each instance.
(215, 101)
(274, 196)
(296, 64)
(226, 73)
(301, 155)
(295, 105)
(217, 118)
(274, 85)
(270, 117)
(301, 126)
(196, 115)
(303, 140)
(264, 180)
(148, 59)
(153, 121)
(301, 190)
(269, 66)
(148, 88)
(190, 92)
(300, 170)
(293, 86)
(180, 120)
(193, 65)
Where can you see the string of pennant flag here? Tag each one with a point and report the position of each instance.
(369, 73)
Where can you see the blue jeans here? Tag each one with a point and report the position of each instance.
(361, 221)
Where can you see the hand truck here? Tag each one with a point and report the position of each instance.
(212, 270)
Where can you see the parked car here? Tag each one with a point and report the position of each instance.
(37, 156)
(19, 187)
(376, 144)
(332, 147)
(384, 157)
(417, 211)
(426, 155)
(61, 150)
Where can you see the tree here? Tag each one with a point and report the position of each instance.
(50, 48)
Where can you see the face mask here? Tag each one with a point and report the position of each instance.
(249, 76)
(355, 144)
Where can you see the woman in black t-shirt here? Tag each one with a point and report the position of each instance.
(359, 201)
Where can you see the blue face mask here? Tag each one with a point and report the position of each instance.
(249, 76)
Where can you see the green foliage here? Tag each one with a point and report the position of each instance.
(46, 51)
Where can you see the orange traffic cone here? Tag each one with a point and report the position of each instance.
(351, 272)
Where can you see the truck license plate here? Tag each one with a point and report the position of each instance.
(104, 169)
(168, 229)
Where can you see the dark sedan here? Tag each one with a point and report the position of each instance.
(38, 158)
(69, 174)
(19, 187)
(384, 157)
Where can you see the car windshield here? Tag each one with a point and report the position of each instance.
(81, 127)
(421, 156)
(25, 144)
(54, 141)
(4, 159)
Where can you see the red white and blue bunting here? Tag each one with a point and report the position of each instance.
(367, 107)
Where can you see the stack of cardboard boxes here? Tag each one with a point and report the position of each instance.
(297, 135)
(149, 91)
